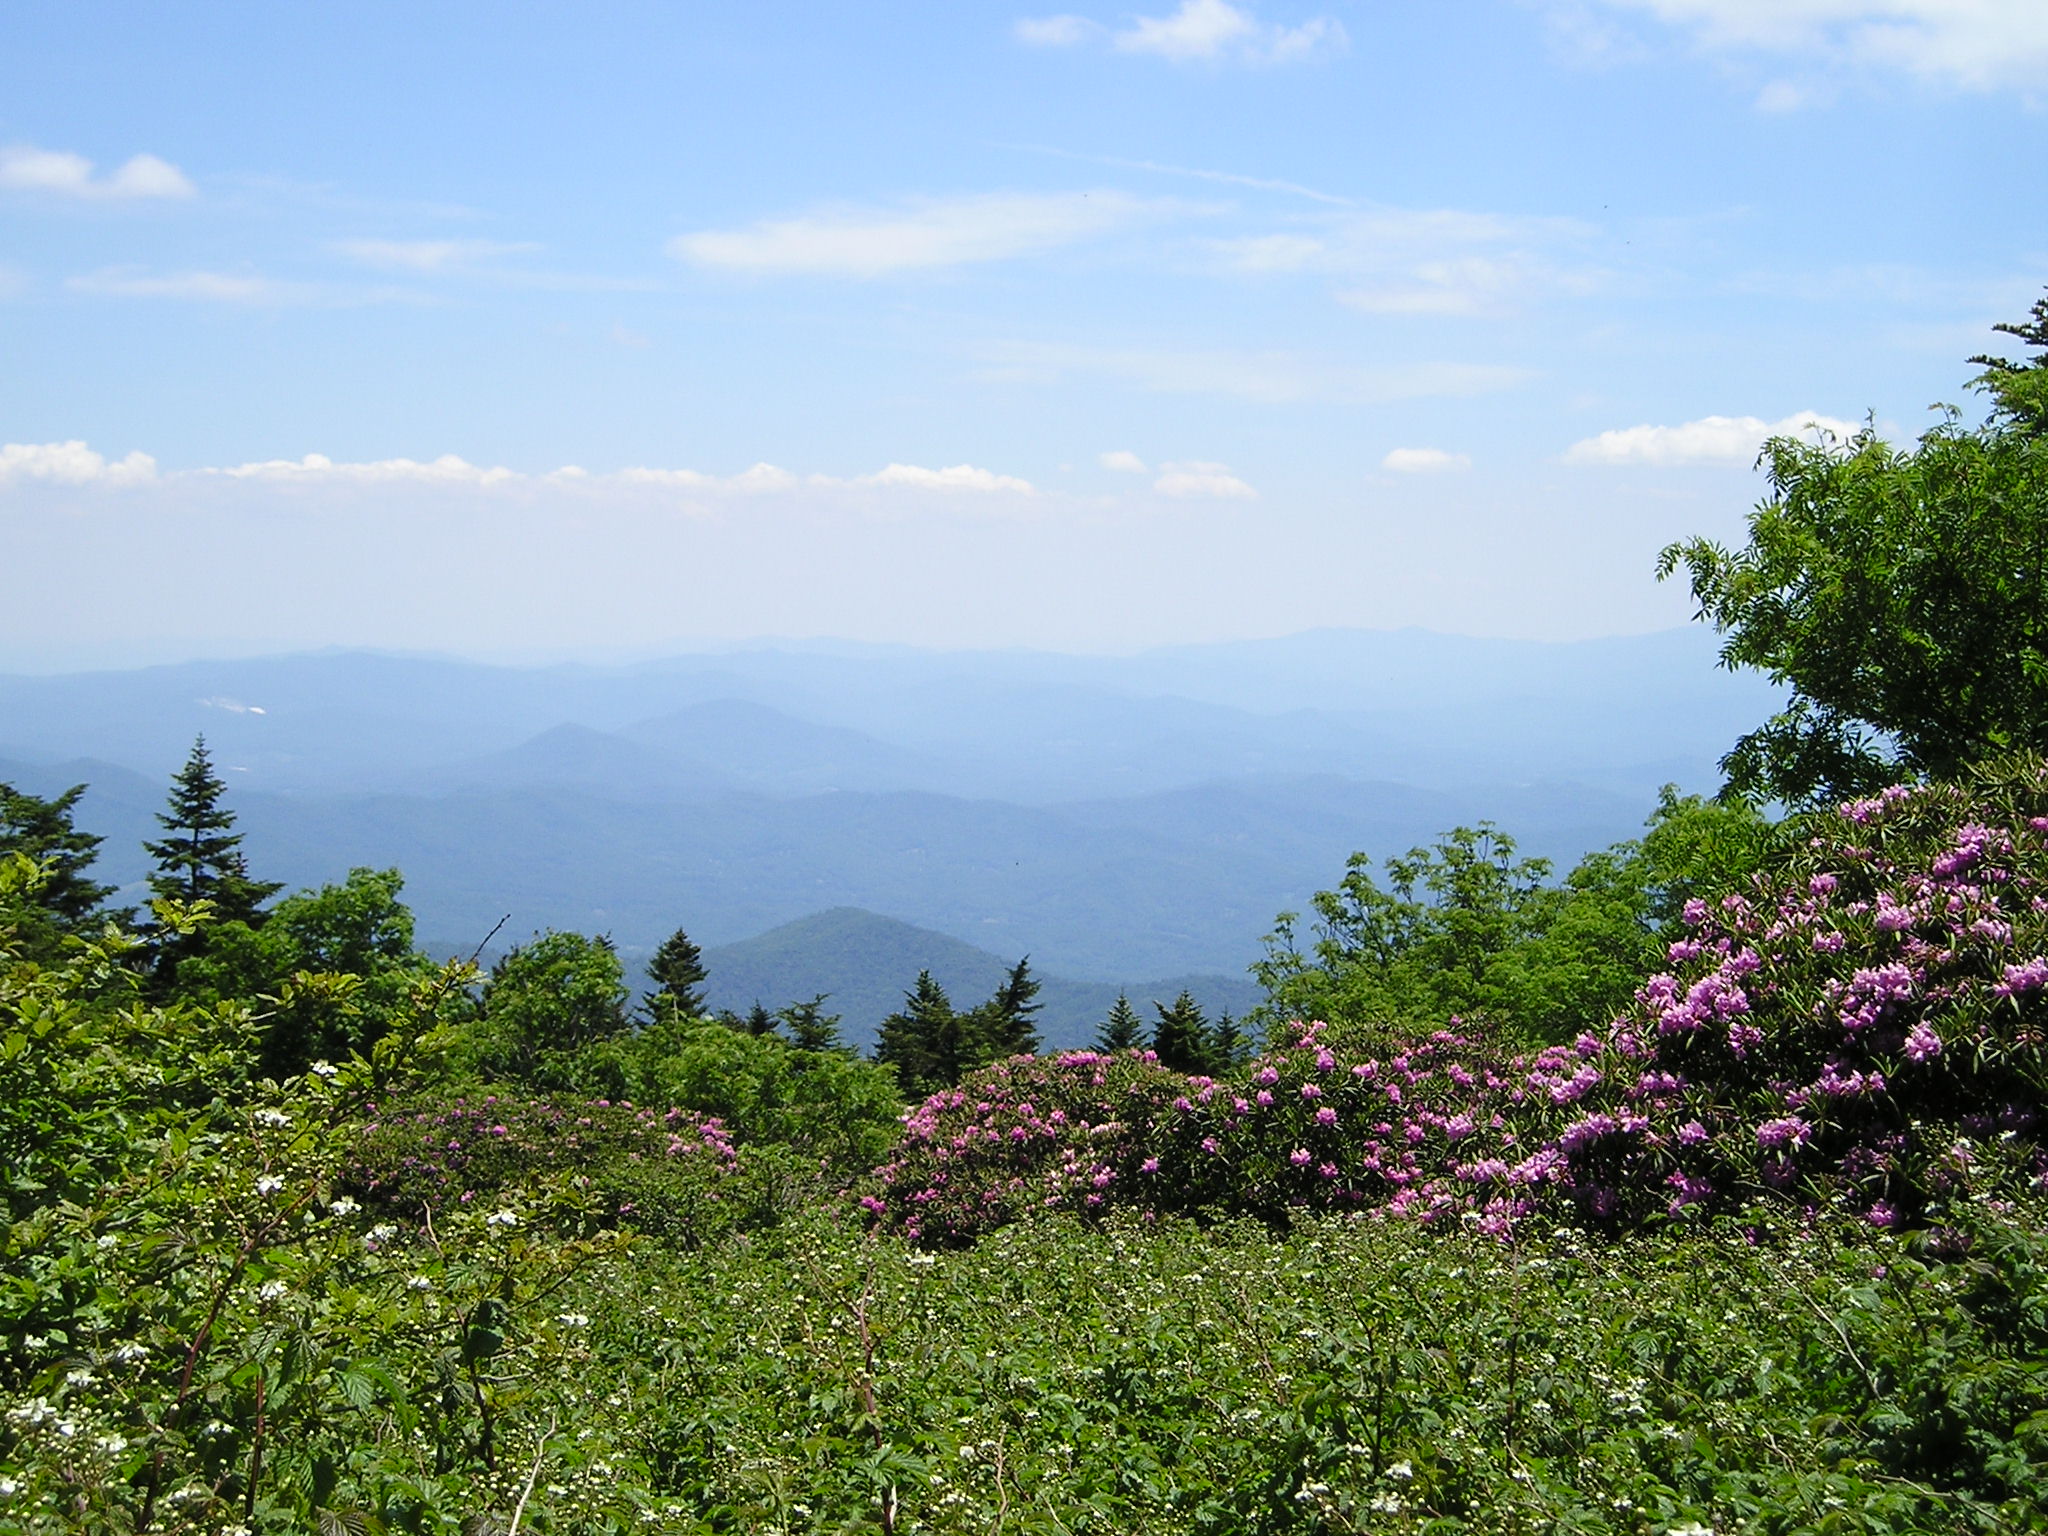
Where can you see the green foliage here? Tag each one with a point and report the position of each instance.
(543, 1002)
(333, 967)
(810, 1027)
(1465, 929)
(66, 901)
(1901, 595)
(839, 1114)
(1003, 1023)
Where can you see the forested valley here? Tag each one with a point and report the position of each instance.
(1696, 1188)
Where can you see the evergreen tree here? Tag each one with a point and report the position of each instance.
(200, 858)
(1182, 1037)
(810, 1027)
(42, 830)
(930, 1045)
(677, 971)
(759, 1021)
(1229, 1045)
(1004, 1021)
(1123, 1030)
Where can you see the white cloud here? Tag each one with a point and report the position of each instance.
(1055, 31)
(1974, 44)
(1123, 461)
(427, 255)
(1200, 29)
(1709, 440)
(857, 242)
(1196, 478)
(1214, 31)
(446, 470)
(1423, 461)
(25, 168)
(71, 463)
(958, 477)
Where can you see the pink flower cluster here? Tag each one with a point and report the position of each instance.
(1837, 1028)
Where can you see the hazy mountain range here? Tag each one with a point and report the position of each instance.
(1120, 819)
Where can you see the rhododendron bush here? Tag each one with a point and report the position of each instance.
(1864, 1023)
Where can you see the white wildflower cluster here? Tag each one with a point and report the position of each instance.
(269, 1184)
(326, 1071)
(272, 1290)
(502, 1219)
(342, 1205)
(272, 1117)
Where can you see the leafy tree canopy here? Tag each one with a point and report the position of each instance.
(553, 996)
(1466, 928)
(1902, 597)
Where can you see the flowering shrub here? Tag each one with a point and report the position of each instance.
(647, 1168)
(1866, 1022)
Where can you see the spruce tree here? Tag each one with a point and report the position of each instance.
(810, 1027)
(1182, 1037)
(677, 971)
(930, 1046)
(1229, 1045)
(200, 858)
(42, 830)
(1123, 1030)
(1004, 1021)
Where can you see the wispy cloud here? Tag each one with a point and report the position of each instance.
(71, 463)
(1123, 461)
(1424, 261)
(206, 287)
(1970, 44)
(1424, 461)
(935, 233)
(1272, 377)
(1196, 478)
(1199, 32)
(1225, 178)
(25, 168)
(429, 256)
(1709, 440)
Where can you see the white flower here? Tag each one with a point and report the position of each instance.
(79, 1378)
(37, 1410)
(107, 1240)
(1691, 1528)
(113, 1445)
(67, 1427)
(33, 1341)
(502, 1219)
(1402, 1469)
(8, 1487)
(383, 1232)
(272, 1290)
(419, 1283)
(272, 1117)
(269, 1184)
(572, 1319)
(324, 1070)
(342, 1206)
(128, 1354)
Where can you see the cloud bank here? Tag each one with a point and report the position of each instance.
(1709, 440)
(1199, 32)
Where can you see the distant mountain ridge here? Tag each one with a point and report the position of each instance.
(1118, 818)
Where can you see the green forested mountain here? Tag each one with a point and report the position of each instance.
(866, 962)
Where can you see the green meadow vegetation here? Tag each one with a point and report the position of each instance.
(1699, 1190)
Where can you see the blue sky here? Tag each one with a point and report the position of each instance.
(541, 329)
